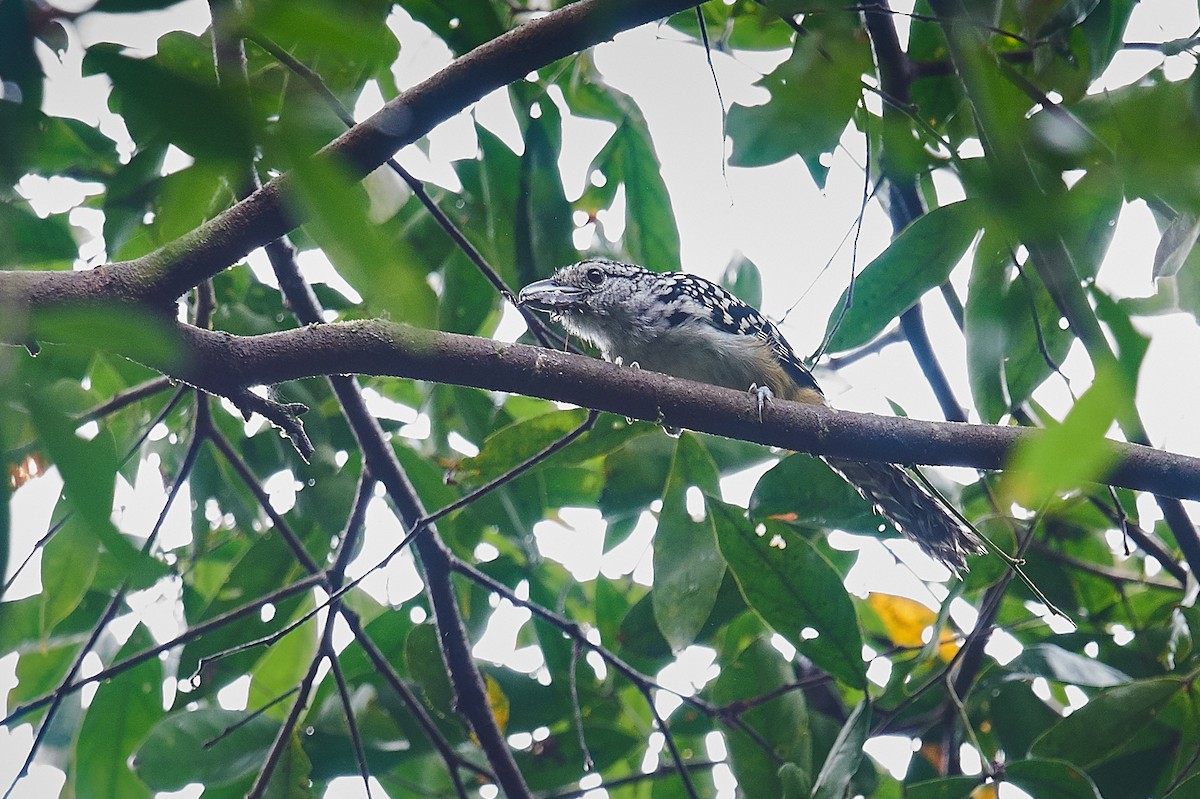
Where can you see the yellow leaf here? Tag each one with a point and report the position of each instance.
(987, 791)
(934, 755)
(498, 702)
(906, 622)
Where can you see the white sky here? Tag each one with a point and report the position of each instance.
(775, 215)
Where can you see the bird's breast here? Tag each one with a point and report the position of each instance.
(701, 352)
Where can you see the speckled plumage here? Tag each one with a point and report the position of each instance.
(689, 327)
(674, 323)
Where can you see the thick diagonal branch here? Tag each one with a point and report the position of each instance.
(166, 273)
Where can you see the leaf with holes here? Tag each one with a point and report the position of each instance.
(795, 590)
(688, 567)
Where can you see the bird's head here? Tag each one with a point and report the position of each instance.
(603, 301)
(596, 287)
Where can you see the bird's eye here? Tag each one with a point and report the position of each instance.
(595, 275)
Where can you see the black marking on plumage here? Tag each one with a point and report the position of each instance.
(683, 298)
(629, 307)
(727, 312)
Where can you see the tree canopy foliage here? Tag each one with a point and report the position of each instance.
(145, 349)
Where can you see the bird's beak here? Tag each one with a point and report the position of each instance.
(546, 295)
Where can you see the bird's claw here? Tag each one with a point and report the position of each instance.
(619, 361)
(764, 394)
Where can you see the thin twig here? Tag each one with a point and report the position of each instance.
(56, 698)
(249, 717)
(536, 326)
(672, 747)
(388, 672)
(225, 447)
(858, 222)
(126, 397)
(1106, 572)
(191, 634)
(283, 738)
(633, 779)
(588, 762)
(360, 755)
(892, 336)
(180, 393)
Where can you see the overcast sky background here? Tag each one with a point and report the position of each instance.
(776, 216)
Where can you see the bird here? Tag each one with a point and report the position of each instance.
(686, 326)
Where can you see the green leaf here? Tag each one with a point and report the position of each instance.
(1149, 159)
(1029, 308)
(804, 490)
(284, 664)
(290, 779)
(69, 563)
(1074, 452)
(237, 581)
(842, 762)
(1176, 244)
(943, 788)
(184, 106)
(75, 149)
(89, 470)
(795, 782)
(1109, 724)
(634, 476)
(1051, 779)
(462, 24)
(1018, 716)
(121, 714)
(627, 159)
(5, 537)
(39, 672)
(1188, 789)
(742, 24)
(688, 567)
(27, 240)
(784, 723)
(795, 590)
(1061, 665)
(1131, 344)
(344, 42)
(813, 96)
(424, 661)
(919, 259)
(559, 759)
(651, 233)
(1087, 218)
(21, 627)
(985, 328)
(640, 638)
(392, 279)
(20, 65)
(1104, 32)
(542, 224)
(178, 750)
(513, 444)
(744, 281)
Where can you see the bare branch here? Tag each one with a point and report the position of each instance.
(220, 363)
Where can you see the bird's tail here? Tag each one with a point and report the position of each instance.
(909, 506)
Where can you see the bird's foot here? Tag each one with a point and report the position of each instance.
(619, 361)
(764, 394)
